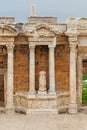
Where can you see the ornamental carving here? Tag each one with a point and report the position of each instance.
(43, 30)
(77, 24)
(45, 33)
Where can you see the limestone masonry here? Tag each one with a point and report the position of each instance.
(41, 64)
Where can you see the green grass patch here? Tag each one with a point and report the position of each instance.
(84, 95)
(84, 89)
(84, 77)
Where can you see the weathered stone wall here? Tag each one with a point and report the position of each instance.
(21, 68)
(42, 63)
(62, 67)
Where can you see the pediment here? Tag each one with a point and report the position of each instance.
(7, 31)
(43, 31)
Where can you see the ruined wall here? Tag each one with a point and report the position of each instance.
(21, 68)
(62, 67)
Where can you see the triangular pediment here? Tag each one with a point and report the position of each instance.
(7, 31)
(43, 31)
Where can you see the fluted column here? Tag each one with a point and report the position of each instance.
(9, 101)
(32, 69)
(51, 68)
(73, 102)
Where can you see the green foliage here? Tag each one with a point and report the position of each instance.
(84, 77)
(84, 95)
(84, 89)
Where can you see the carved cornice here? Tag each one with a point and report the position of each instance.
(72, 33)
(72, 39)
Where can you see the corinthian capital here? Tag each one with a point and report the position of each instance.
(31, 46)
(10, 48)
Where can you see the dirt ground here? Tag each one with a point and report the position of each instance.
(43, 122)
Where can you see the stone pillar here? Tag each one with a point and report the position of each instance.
(51, 68)
(73, 103)
(9, 101)
(32, 69)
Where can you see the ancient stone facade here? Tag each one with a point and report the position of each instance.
(41, 64)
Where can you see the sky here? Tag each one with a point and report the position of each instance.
(20, 9)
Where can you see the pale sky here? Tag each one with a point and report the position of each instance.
(20, 9)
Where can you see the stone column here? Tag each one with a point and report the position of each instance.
(9, 101)
(51, 68)
(32, 69)
(73, 103)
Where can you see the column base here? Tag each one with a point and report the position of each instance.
(42, 92)
(51, 92)
(72, 108)
(10, 112)
(32, 92)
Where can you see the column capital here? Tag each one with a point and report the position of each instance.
(73, 39)
(31, 46)
(51, 46)
(10, 48)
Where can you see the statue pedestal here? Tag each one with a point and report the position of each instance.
(42, 92)
(40, 103)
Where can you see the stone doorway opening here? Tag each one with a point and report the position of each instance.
(3, 84)
(84, 82)
(2, 103)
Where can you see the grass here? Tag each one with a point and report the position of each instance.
(84, 89)
(84, 77)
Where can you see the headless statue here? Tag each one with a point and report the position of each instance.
(42, 81)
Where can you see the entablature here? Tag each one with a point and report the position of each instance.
(77, 24)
